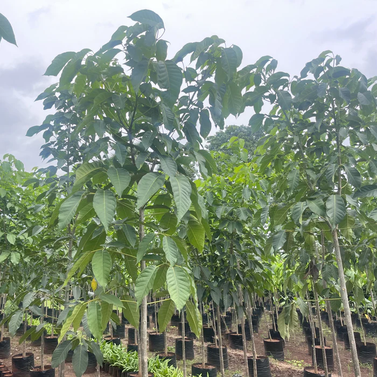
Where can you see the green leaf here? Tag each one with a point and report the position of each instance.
(104, 203)
(60, 353)
(79, 264)
(168, 165)
(111, 299)
(196, 233)
(256, 122)
(284, 99)
(106, 310)
(130, 234)
(181, 191)
(68, 208)
(144, 283)
(229, 61)
(363, 100)
(160, 279)
(165, 313)
(161, 49)
(335, 209)
(179, 285)
(169, 76)
(95, 319)
(120, 179)
(139, 72)
(6, 30)
(102, 264)
(87, 171)
(80, 360)
(143, 246)
(168, 223)
(366, 191)
(11, 238)
(77, 313)
(278, 240)
(353, 175)
(15, 322)
(131, 312)
(171, 250)
(4, 255)
(59, 62)
(28, 299)
(280, 215)
(297, 211)
(147, 187)
(147, 17)
(317, 206)
(345, 94)
(346, 227)
(205, 123)
(193, 318)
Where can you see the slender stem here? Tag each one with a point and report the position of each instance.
(312, 327)
(183, 342)
(361, 324)
(254, 350)
(202, 338)
(321, 337)
(334, 340)
(220, 342)
(240, 295)
(214, 323)
(42, 340)
(25, 329)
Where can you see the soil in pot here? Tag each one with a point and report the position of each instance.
(21, 366)
(47, 372)
(235, 341)
(366, 352)
(156, 342)
(132, 347)
(329, 357)
(213, 356)
(113, 340)
(309, 372)
(207, 371)
(274, 348)
(51, 342)
(263, 366)
(208, 334)
(189, 347)
(5, 348)
(131, 335)
(169, 356)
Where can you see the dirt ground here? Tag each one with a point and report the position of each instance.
(296, 355)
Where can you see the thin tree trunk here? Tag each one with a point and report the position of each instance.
(312, 327)
(25, 329)
(254, 350)
(347, 312)
(220, 342)
(183, 342)
(321, 337)
(214, 323)
(334, 340)
(202, 337)
(373, 302)
(42, 341)
(241, 300)
(361, 324)
(2, 311)
(143, 353)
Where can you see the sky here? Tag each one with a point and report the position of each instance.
(291, 31)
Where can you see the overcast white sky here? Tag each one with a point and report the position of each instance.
(292, 31)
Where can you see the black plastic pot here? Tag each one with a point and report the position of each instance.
(366, 352)
(131, 335)
(124, 320)
(309, 372)
(51, 342)
(5, 348)
(310, 344)
(175, 320)
(213, 356)
(21, 366)
(375, 367)
(276, 335)
(113, 340)
(92, 363)
(329, 357)
(132, 347)
(119, 332)
(47, 372)
(208, 334)
(371, 328)
(189, 348)
(207, 371)
(169, 356)
(247, 330)
(340, 332)
(274, 348)
(263, 366)
(235, 341)
(156, 342)
(187, 328)
(347, 345)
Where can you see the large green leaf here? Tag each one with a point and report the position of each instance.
(335, 209)
(144, 282)
(139, 72)
(284, 99)
(111, 299)
(102, 264)
(76, 316)
(353, 175)
(68, 209)
(119, 178)
(147, 187)
(106, 311)
(229, 61)
(95, 319)
(366, 191)
(165, 313)
(171, 250)
(317, 206)
(60, 353)
(280, 215)
(59, 62)
(194, 318)
(168, 165)
(104, 203)
(143, 246)
(179, 285)
(130, 234)
(80, 360)
(148, 17)
(181, 191)
(169, 76)
(297, 211)
(196, 233)
(278, 240)
(131, 312)
(15, 322)
(6, 30)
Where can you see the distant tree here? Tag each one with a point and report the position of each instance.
(217, 142)
(6, 31)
